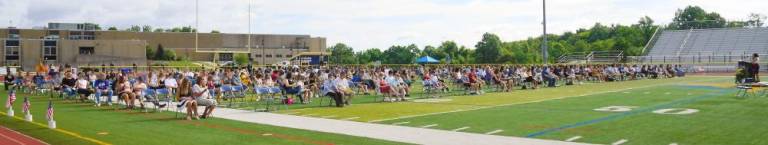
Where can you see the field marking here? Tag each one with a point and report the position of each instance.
(329, 116)
(350, 118)
(622, 141)
(673, 144)
(400, 123)
(428, 126)
(537, 101)
(667, 93)
(460, 129)
(64, 131)
(11, 139)
(616, 116)
(19, 133)
(646, 93)
(494, 132)
(573, 138)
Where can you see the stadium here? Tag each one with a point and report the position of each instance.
(694, 78)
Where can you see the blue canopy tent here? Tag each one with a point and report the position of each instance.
(427, 59)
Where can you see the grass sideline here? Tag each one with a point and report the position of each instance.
(134, 127)
(722, 118)
(374, 112)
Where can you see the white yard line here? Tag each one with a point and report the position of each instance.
(573, 138)
(622, 141)
(428, 126)
(673, 144)
(494, 132)
(537, 101)
(460, 129)
(351, 118)
(400, 123)
(329, 116)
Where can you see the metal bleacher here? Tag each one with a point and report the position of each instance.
(721, 45)
(725, 41)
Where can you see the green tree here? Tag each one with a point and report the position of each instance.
(134, 28)
(401, 54)
(342, 54)
(150, 53)
(370, 55)
(241, 59)
(160, 53)
(146, 28)
(488, 50)
(756, 20)
(694, 17)
(215, 31)
(158, 30)
(113, 28)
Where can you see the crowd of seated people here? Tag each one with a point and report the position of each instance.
(289, 84)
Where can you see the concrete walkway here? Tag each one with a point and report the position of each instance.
(378, 131)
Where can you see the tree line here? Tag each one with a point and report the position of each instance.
(491, 49)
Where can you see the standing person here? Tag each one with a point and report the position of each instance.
(203, 97)
(8, 79)
(754, 69)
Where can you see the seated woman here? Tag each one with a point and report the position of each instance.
(203, 97)
(124, 90)
(82, 88)
(186, 99)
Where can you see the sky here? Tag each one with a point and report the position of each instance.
(364, 24)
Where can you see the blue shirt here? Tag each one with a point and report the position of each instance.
(101, 84)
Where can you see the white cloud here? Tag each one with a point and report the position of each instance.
(366, 23)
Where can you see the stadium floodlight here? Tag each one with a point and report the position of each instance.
(544, 52)
(217, 51)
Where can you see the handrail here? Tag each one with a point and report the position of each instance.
(653, 39)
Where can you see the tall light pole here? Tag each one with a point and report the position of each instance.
(197, 25)
(544, 52)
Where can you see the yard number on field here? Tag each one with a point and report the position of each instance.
(672, 111)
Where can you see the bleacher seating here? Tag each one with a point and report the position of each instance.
(716, 48)
(725, 41)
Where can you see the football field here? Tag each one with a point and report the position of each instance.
(692, 110)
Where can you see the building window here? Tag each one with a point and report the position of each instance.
(49, 49)
(82, 35)
(87, 50)
(226, 57)
(289, 56)
(12, 49)
(278, 56)
(269, 56)
(257, 55)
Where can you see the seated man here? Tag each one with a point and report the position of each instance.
(103, 88)
(8, 79)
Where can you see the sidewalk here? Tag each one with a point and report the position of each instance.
(377, 131)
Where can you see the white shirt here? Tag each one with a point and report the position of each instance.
(200, 89)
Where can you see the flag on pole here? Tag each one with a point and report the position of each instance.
(11, 98)
(25, 109)
(49, 114)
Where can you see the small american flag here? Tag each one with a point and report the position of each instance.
(25, 109)
(49, 114)
(11, 98)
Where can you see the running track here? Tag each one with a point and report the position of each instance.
(10, 137)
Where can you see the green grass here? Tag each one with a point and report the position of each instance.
(387, 111)
(133, 127)
(723, 118)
